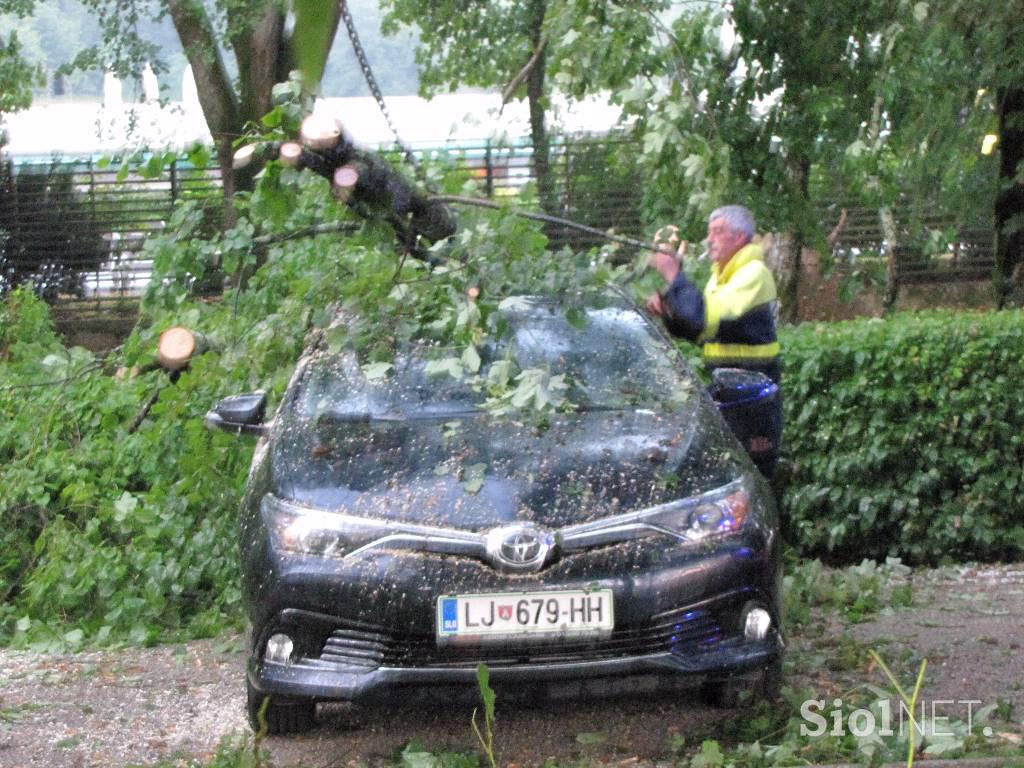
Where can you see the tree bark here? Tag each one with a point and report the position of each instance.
(1009, 207)
(892, 268)
(259, 54)
(537, 102)
(216, 95)
(791, 246)
(782, 257)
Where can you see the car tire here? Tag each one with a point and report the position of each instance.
(734, 692)
(284, 715)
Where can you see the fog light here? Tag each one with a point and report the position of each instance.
(279, 649)
(756, 624)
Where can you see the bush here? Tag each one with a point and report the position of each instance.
(906, 437)
(49, 236)
(109, 531)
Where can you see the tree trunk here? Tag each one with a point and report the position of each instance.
(892, 272)
(783, 257)
(537, 101)
(258, 52)
(1009, 207)
(791, 246)
(213, 84)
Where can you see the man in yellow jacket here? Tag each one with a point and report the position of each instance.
(734, 318)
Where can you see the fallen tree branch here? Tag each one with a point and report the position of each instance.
(548, 219)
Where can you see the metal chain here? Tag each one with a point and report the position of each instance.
(371, 82)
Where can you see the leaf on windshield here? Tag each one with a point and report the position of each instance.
(446, 365)
(376, 371)
(471, 359)
(473, 477)
(576, 317)
(469, 315)
(500, 374)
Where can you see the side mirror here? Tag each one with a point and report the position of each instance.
(239, 413)
(749, 402)
(735, 387)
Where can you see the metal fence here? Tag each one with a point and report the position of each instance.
(932, 247)
(76, 228)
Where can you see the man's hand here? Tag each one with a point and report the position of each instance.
(654, 304)
(665, 263)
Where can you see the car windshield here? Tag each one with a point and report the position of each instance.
(611, 358)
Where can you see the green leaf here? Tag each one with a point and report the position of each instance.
(125, 506)
(473, 478)
(273, 119)
(576, 317)
(499, 374)
(153, 168)
(471, 359)
(710, 756)
(199, 156)
(483, 679)
(451, 366)
(74, 637)
(376, 371)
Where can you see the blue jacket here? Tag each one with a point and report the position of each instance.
(734, 319)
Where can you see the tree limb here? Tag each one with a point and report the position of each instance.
(216, 95)
(515, 82)
(258, 51)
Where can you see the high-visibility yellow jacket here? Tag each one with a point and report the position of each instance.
(734, 319)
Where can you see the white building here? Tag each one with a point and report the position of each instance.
(76, 128)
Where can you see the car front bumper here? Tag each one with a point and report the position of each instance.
(313, 680)
(362, 630)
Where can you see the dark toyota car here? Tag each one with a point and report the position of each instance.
(399, 529)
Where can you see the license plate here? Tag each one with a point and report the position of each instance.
(521, 615)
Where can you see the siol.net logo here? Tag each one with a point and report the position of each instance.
(931, 719)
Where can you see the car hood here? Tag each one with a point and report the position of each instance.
(477, 471)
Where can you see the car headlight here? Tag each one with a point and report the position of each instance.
(310, 531)
(720, 511)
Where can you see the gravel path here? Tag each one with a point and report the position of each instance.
(143, 705)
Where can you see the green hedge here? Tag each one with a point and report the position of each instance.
(905, 437)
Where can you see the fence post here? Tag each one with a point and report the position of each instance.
(92, 213)
(490, 172)
(174, 182)
(567, 147)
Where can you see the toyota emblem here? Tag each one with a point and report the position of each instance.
(519, 547)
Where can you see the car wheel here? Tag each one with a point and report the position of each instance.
(733, 692)
(283, 715)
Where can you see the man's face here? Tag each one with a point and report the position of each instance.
(723, 242)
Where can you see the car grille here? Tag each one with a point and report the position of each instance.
(353, 647)
(681, 632)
